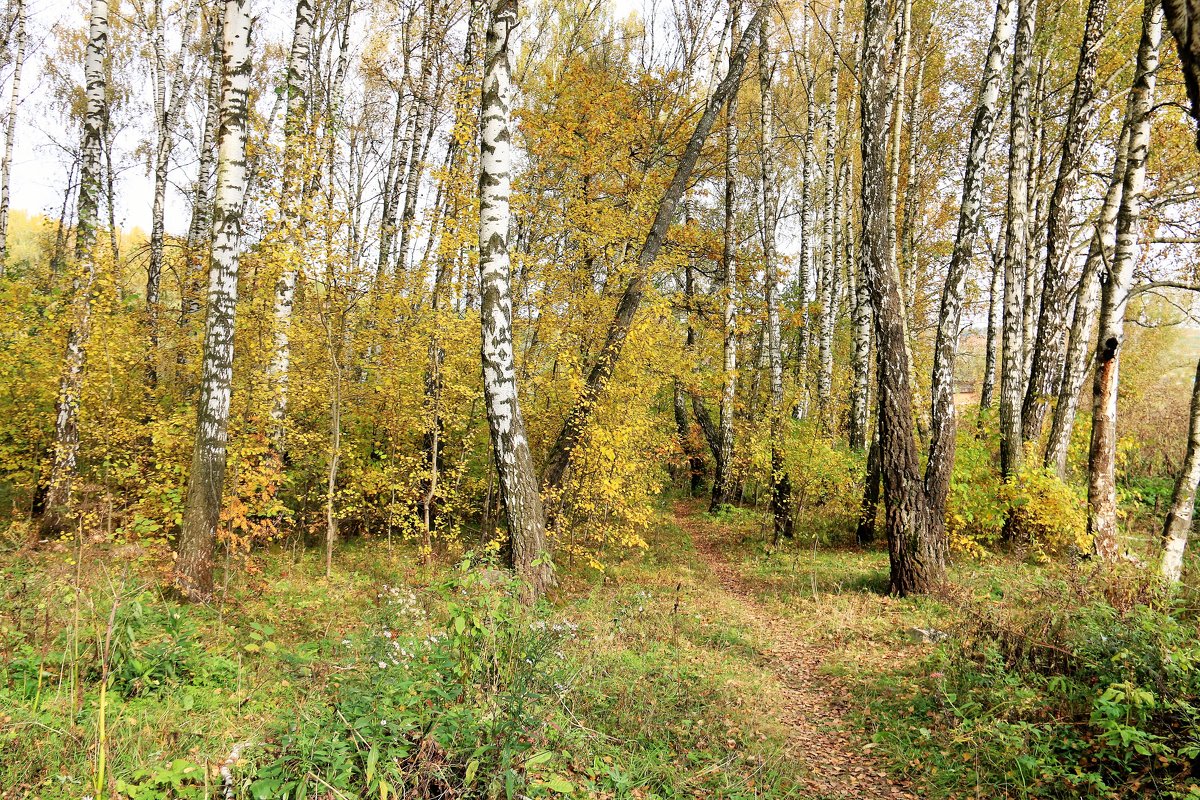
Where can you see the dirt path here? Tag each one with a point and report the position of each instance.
(819, 735)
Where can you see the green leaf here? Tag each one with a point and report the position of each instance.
(559, 784)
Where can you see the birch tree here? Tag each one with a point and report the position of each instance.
(942, 415)
(631, 298)
(202, 511)
(1051, 327)
(1116, 283)
(170, 87)
(723, 482)
(10, 130)
(291, 202)
(781, 489)
(1016, 243)
(915, 547)
(1183, 500)
(1086, 295)
(514, 462)
(829, 267)
(57, 510)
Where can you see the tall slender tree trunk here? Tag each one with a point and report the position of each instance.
(1075, 368)
(916, 550)
(1016, 242)
(166, 106)
(420, 114)
(943, 421)
(1044, 377)
(57, 514)
(987, 393)
(514, 462)
(828, 260)
(1116, 283)
(781, 488)
(723, 481)
(1183, 501)
(618, 330)
(206, 483)
(10, 128)
(291, 204)
(805, 277)
(199, 236)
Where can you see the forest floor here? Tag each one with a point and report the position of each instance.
(708, 664)
(839, 758)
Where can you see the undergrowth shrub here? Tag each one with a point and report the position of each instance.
(1042, 512)
(1063, 694)
(431, 711)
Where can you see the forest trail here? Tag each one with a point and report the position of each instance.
(818, 734)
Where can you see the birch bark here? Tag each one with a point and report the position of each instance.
(1116, 282)
(66, 426)
(197, 542)
(510, 446)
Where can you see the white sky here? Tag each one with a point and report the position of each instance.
(39, 169)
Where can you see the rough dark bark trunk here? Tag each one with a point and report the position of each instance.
(916, 543)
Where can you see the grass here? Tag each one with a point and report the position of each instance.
(660, 692)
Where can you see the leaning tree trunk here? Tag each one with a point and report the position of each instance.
(514, 462)
(197, 542)
(291, 201)
(1078, 344)
(781, 488)
(723, 482)
(1016, 243)
(1183, 500)
(1044, 377)
(66, 427)
(828, 299)
(1183, 17)
(618, 329)
(1102, 458)
(915, 544)
(10, 128)
(943, 423)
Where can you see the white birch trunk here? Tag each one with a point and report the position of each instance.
(828, 260)
(781, 501)
(1102, 457)
(1012, 368)
(291, 201)
(66, 426)
(1183, 501)
(1086, 296)
(10, 128)
(514, 462)
(197, 542)
(942, 415)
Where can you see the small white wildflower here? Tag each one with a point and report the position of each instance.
(382, 665)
